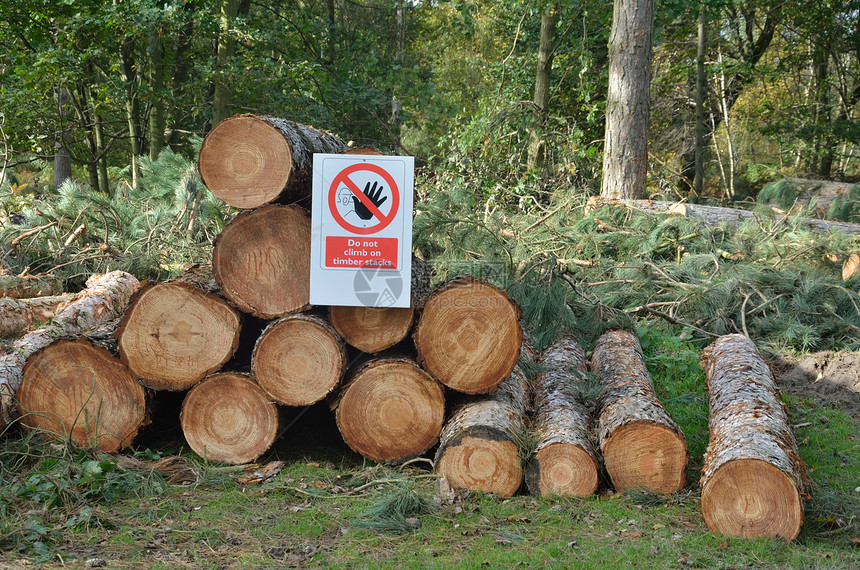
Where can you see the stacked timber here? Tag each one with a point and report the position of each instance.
(478, 448)
(753, 481)
(564, 461)
(642, 447)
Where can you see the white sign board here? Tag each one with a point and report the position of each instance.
(361, 230)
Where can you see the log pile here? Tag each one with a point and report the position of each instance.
(753, 481)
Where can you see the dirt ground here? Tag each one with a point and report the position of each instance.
(827, 378)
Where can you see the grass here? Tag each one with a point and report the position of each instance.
(330, 508)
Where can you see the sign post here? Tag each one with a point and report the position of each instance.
(361, 230)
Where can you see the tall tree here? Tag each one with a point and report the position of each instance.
(546, 51)
(625, 154)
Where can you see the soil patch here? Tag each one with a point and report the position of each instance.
(828, 378)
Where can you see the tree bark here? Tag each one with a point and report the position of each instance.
(62, 156)
(625, 153)
(174, 334)
(156, 84)
(374, 329)
(131, 76)
(565, 461)
(714, 215)
(228, 418)
(390, 410)
(546, 51)
(226, 48)
(643, 448)
(75, 391)
(299, 360)
(17, 316)
(478, 447)
(248, 161)
(468, 335)
(24, 287)
(701, 96)
(261, 261)
(753, 481)
(104, 299)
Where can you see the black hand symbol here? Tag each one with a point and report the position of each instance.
(374, 195)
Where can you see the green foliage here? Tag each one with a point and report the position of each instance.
(846, 206)
(397, 511)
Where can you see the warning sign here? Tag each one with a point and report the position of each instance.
(361, 230)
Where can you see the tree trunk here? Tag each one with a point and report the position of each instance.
(131, 76)
(643, 448)
(546, 51)
(75, 391)
(181, 71)
(564, 462)
(248, 161)
(478, 447)
(228, 418)
(374, 329)
(27, 286)
(17, 316)
(299, 359)
(262, 261)
(468, 335)
(62, 157)
(701, 96)
(714, 215)
(390, 410)
(625, 153)
(225, 50)
(103, 300)
(174, 334)
(156, 84)
(753, 480)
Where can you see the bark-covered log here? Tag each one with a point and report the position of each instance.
(73, 390)
(228, 418)
(374, 329)
(479, 445)
(262, 258)
(248, 161)
(565, 461)
(753, 481)
(174, 334)
(714, 215)
(17, 316)
(104, 299)
(642, 446)
(390, 410)
(468, 335)
(299, 359)
(27, 286)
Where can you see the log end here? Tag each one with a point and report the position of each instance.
(371, 329)
(245, 161)
(227, 418)
(75, 391)
(391, 411)
(562, 469)
(752, 498)
(298, 361)
(482, 464)
(468, 336)
(646, 455)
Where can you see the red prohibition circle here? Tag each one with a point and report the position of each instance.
(343, 177)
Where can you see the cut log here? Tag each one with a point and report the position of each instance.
(74, 391)
(17, 316)
(228, 418)
(565, 461)
(390, 410)
(753, 481)
(262, 261)
(298, 360)
(713, 215)
(374, 329)
(851, 266)
(468, 335)
(104, 299)
(248, 161)
(478, 447)
(27, 286)
(643, 448)
(174, 334)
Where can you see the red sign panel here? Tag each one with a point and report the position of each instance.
(354, 252)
